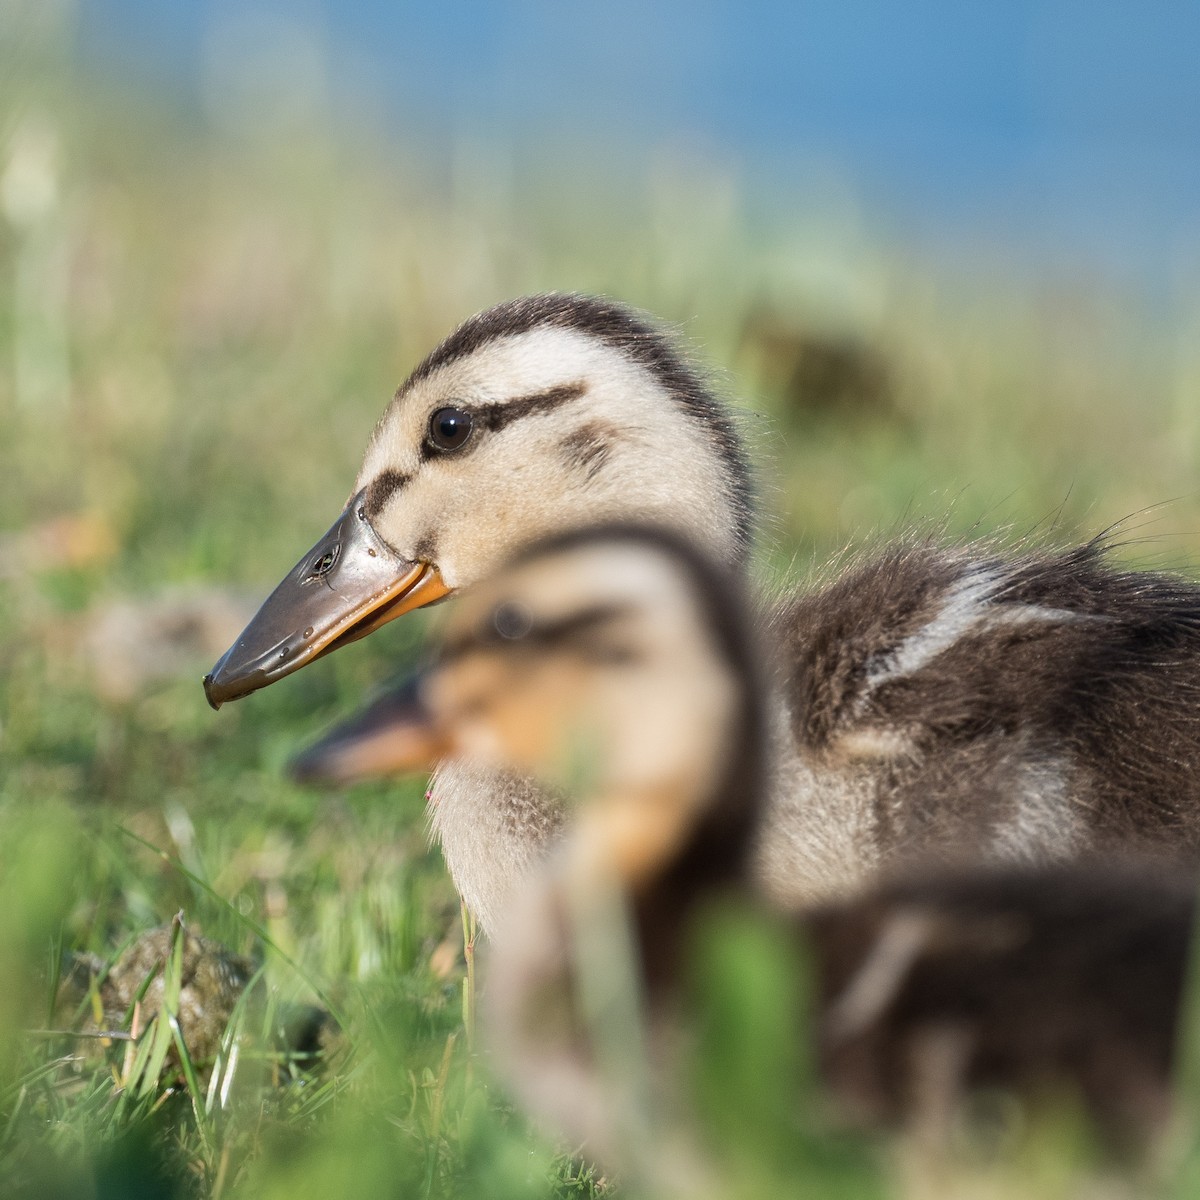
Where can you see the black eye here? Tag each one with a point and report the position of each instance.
(512, 621)
(449, 428)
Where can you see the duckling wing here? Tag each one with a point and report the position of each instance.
(1029, 705)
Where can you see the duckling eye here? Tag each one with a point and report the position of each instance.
(449, 428)
(512, 621)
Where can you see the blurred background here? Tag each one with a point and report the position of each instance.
(945, 257)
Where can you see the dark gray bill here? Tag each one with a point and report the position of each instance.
(345, 587)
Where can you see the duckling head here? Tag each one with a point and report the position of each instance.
(536, 417)
(613, 665)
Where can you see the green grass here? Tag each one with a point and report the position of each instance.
(197, 332)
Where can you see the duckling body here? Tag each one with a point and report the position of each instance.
(1040, 981)
(213, 983)
(933, 701)
(933, 704)
(614, 667)
(491, 849)
(949, 704)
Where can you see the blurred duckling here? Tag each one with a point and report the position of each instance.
(1055, 984)
(133, 644)
(930, 700)
(820, 373)
(615, 667)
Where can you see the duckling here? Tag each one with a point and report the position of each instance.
(927, 700)
(615, 666)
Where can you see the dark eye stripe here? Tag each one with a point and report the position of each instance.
(494, 417)
(547, 635)
(497, 416)
(489, 417)
(578, 625)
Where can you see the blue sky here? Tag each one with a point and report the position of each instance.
(1078, 119)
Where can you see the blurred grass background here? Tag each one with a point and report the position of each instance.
(199, 323)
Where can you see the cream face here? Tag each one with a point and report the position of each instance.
(605, 443)
(612, 689)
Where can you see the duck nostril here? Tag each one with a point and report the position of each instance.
(323, 565)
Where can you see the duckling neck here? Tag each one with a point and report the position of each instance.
(713, 862)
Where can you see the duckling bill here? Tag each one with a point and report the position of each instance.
(393, 735)
(346, 586)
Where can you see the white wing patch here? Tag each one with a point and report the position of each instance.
(962, 611)
(1043, 826)
(966, 610)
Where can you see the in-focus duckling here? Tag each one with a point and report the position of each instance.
(944, 701)
(614, 666)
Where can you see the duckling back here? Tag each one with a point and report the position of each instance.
(1023, 708)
